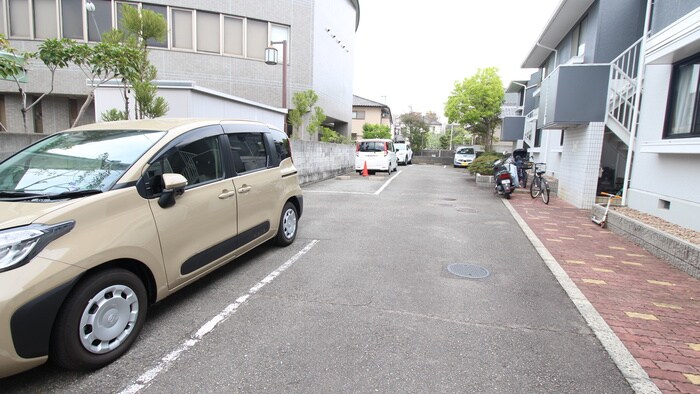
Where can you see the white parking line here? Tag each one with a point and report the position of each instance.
(386, 183)
(146, 378)
(381, 189)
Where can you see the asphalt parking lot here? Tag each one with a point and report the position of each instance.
(364, 301)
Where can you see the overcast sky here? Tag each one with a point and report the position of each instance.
(413, 52)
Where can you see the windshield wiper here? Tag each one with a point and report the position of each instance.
(24, 196)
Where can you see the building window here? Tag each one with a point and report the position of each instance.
(182, 29)
(578, 45)
(684, 106)
(100, 20)
(72, 18)
(280, 33)
(2, 18)
(45, 19)
(233, 36)
(256, 39)
(162, 11)
(19, 18)
(208, 32)
(358, 114)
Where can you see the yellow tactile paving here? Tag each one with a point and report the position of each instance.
(643, 316)
(694, 346)
(595, 281)
(617, 247)
(661, 283)
(694, 379)
(605, 256)
(632, 263)
(602, 270)
(575, 262)
(669, 306)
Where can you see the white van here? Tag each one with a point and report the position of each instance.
(377, 154)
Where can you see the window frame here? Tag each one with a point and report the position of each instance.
(673, 97)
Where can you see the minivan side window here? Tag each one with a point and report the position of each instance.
(281, 142)
(199, 162)
(248, 151)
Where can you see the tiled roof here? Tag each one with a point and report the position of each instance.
(358, 101)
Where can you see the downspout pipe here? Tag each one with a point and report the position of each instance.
(641, 67)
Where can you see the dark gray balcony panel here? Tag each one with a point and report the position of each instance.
(573, 95)
(512, 128)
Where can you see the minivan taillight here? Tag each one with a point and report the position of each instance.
(386, 150)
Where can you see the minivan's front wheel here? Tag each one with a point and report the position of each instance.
(287, 230)
(99, 320)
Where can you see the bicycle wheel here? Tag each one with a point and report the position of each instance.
(535, 187)
(545, 192)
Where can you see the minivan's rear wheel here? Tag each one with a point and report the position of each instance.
(287, 231)
(99, 320)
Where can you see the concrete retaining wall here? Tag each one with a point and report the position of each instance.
(679, 253)
(317, 161)
(12, 142)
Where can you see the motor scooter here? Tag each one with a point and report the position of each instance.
(504, 179)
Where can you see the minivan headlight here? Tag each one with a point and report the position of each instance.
(19, 245)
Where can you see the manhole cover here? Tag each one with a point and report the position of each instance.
(468, 271)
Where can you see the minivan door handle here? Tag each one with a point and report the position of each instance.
(227, 194)
(244, 189)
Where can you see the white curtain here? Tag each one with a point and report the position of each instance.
(686, 93)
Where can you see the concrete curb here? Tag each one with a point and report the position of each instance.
(626, 363)
(675, 251)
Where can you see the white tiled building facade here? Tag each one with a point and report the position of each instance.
(217, 45)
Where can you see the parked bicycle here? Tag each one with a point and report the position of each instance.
(539, 186)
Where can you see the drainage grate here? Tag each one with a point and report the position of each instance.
(468, 271)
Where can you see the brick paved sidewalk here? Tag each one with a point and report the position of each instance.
(652, 307)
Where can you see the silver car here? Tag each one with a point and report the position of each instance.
(464, 156)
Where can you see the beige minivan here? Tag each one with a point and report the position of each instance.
(101, 221)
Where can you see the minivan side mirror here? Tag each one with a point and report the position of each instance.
(173, 185)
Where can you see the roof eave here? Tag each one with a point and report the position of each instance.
(566, 15)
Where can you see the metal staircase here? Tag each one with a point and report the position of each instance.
(622, 89)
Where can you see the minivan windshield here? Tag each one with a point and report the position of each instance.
(372, 146)
(74, 162)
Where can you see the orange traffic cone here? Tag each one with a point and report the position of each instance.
(364, 170)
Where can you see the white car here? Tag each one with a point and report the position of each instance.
(376, 154)
(404, 154)
(464, 156)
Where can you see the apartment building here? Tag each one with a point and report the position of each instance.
(216, 48)
(366, 111)
(603, 86)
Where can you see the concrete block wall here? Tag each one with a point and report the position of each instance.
(317, 161)
(677, 252)
(12, 142)
(580, 163)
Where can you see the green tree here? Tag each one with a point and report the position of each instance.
(53, 53)
(476, 101)
(100, 63)
(303, 103)
(417, 130)
(330, 135)
(372, 130)
(136, 29)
